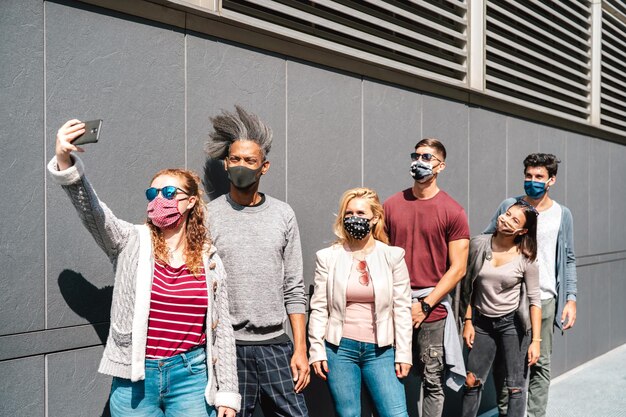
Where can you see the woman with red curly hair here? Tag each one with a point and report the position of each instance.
(169, 314)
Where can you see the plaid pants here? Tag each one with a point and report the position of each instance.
(265, 375)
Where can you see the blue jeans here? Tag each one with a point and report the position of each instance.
(174, 387)
(504, 335)
(353, 361)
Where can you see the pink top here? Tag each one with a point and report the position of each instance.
(359, 322)
(178, 307)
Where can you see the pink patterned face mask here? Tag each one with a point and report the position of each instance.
(163, 213)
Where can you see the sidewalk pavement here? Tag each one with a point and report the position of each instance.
(595, 389)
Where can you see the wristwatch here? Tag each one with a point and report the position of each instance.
(426, 308)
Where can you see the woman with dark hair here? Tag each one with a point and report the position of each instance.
(360, 309)
(170, 348)
(502, 280)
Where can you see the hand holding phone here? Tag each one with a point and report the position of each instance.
(92, 133)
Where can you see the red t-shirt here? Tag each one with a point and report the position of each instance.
(423, 229)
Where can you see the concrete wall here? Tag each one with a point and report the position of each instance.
(155, 87)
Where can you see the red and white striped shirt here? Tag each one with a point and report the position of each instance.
(178, 308)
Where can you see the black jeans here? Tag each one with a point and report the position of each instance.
(506, 336)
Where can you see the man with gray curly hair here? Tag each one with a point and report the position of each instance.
(258, 241)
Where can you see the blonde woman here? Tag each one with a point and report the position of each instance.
(170, 349)
(360, 310)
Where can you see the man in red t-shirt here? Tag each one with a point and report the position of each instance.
(432, 228)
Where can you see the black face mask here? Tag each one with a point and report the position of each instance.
(357, 227)
(243, 177)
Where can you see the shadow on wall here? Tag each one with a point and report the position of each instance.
(106, 412)
(215, 178)
(90, 302)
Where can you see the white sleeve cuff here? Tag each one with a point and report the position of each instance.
(68, 176)
(228, 399)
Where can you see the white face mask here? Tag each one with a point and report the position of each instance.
(505, 228)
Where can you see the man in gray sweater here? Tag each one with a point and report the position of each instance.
(258, 240)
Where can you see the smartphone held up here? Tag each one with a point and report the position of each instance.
(92, 133)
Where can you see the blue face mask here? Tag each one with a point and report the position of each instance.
(535, 189)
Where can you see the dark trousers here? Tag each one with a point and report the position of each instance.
(265, 375)
(428, 360)
(506, 336)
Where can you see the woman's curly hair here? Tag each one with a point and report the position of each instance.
(197, 238)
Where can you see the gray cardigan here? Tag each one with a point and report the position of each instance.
(565, 257)
(129, 248)
(479, 251)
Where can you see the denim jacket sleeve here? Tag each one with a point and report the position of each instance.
(570, 278)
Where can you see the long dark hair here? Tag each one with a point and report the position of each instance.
(527, 243)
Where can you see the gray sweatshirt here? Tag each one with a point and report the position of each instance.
(260, 248)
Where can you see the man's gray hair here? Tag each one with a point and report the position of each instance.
(241, 125)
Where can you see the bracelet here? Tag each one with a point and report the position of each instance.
(536, 340)
(467, 318)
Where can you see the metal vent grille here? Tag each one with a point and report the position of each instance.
(613, 78)
(538, 54)
(423, 37)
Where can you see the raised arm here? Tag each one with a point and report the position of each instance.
(110, 233)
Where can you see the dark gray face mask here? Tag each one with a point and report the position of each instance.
(243, 177)
(421, 171)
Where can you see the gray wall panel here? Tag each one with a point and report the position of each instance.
(21, 136)
(324, 154)
(220, 75)
(522, 140)
(129, 73)
(599, 198)
(578, 338)
(598, 295)
(552, 140)
(487, 156)
(74, 375)
(448, 121)
(577, 189)
(558, 361)
(391, 128)
(617, 191)
(22, 387)
(618, 307)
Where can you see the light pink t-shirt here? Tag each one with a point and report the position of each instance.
(359, 322)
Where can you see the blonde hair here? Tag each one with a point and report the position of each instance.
(378, 229)
(196, 233)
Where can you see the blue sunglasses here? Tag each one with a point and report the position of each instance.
(169, 192)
